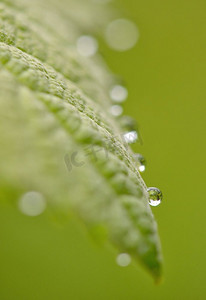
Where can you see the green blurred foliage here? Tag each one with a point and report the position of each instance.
(165, 73)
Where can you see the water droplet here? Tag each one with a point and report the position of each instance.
(121, 34)
(128, 123)
(141, 161)
(118, 93)
(123, 259)
(87, 45)
(130, 137)
(116, 110)
(32, 203)
(155, 196)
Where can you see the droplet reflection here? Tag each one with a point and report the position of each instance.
(123, 259)
(155, 196)
(142, 168)
(130, 137)
(32, 203)
(141, 161)
(87, 45)
(122, 34)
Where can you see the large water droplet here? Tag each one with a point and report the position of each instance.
(87, 45)
(122, 34)
(118, 93)
(123, 259)
(130, 137)
(116, 110)
(32, 203)
(155, 196)
(141, 161)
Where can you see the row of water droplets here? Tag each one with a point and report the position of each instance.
(119, 94)
(120, 35)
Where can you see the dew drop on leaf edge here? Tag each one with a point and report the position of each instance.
(130, 137)
(155, 196)
(141, 161)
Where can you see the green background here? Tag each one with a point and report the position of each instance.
(165, 74)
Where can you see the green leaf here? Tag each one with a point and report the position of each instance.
(57, 136)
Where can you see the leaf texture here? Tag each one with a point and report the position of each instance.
(57, 136)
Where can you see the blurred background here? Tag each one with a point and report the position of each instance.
(165, 74)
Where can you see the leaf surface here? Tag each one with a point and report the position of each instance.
(57, 135)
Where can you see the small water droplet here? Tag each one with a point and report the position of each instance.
(87, 45)
(141, 161)
(130, 137)
(118, 93)
(123, 259)
(32, 203)
(155, 196)
(128, 123)
(121, 34)
(116, 110)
